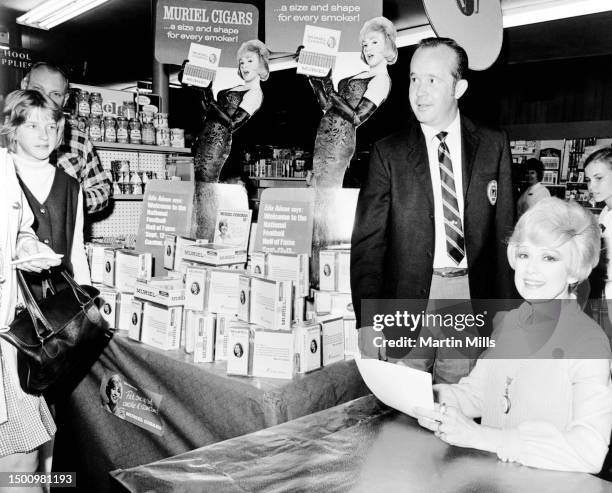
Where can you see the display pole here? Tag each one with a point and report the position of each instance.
(160, 71)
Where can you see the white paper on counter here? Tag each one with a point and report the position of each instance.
(397, 386)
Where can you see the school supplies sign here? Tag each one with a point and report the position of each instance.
(285, 221)
(178, 23)
(286, 20)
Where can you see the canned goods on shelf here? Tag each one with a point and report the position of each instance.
(177, 137)
(148, 134)
(134, 131)
(127, 110)
(122, 130)
(161, 120)
(146, 117)
(110, 129)
(95, 104)
(83, 108)
(95, 129)
(162, 137)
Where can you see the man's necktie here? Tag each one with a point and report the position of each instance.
(455, 243)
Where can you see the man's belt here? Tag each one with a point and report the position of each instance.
(450, 272)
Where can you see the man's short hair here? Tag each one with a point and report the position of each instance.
(49, 67)
(461, 67)
(533, 164)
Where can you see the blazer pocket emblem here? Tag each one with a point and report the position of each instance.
(492, 191)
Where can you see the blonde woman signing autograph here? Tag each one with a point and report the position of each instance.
(554, 409)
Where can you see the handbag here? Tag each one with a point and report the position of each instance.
(58, 338)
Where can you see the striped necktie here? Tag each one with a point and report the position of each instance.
(455, 243)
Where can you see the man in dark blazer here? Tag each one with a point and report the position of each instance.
(416, 237)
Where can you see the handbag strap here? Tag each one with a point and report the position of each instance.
(77, 289)
(33, 308)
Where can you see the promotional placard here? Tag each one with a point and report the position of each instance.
(285, 221)
(319, 53)
(178, 23)
(167, 208)
(202, 66)
(233, 228)
(130, 403)
(285, 21)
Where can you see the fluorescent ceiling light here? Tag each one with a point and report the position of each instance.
(550, 10)
(519, 14)
(53, 12)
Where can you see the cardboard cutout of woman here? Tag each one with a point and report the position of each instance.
(230, 111)
(356, 100)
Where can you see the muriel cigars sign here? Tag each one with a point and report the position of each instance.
(223, 25)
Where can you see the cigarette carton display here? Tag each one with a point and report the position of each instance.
(221, 334)
(343, 265)
(124, 311)
(342, 304)
(239, 354)
(188, 340)
(294, 268)
(131, 265)
(271, 303)
(161, 325)
(299, 309)
(328, 271)
(215, 254)
(307, 337)
(332, 339)
(108, 276)
(108, 310)
(162, 290)
(322, 301)
(244, 298)
(169, 251)
(195, 288)
(204, 337)
(273, 354)
(258, 264)
(183, 242)
(223, 291)
(96, 260)
(135, 330)
(351, 338)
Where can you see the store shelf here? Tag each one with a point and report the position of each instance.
(114, 146)
(123, 196)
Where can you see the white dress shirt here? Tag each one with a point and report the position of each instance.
(453, 142)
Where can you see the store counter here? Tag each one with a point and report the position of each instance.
(200, 405)
(357, 446)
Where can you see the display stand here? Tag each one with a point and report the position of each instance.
(200, 404)
(208, 199)
(333, 223)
